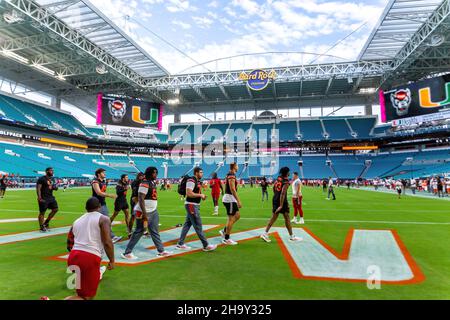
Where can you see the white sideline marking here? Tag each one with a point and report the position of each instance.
(267, 219)
(33, 235)
(17, 220)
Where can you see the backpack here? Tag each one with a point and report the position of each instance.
(182, 186)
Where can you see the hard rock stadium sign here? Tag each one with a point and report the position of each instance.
(258, 80)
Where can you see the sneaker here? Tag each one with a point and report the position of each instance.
(222, 233)
(102, 271)
(301, 221)
(215, 214)
(229, 242)
(116, 239)
(265, 237)
(164, 254)
(45, 298)
(295, 239)
(183, 247)
(129, 256)
(47, 227)
(294, 220)
(210, 248)
(43, 229)
(146, 235)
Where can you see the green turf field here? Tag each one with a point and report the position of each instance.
(251, 270)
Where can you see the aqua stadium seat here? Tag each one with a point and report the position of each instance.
(337, 129)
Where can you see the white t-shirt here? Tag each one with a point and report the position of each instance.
(295, 185)
(87, 234)
(150, 205)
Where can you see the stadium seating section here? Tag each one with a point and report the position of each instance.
(27, 161)
(17, 110)
(31, 114)
(321, 129)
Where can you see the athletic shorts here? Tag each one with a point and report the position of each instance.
(215, 195)
(120, 205)
(232, 208)
(89, 266)
(48, 204)
(399, 191)
(285, 209)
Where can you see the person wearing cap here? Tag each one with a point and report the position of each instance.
(46, 200)
(99, 186)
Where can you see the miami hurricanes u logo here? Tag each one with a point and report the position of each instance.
(425, 98)
(136, 116)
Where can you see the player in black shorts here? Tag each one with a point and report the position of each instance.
(134, 198)
(46, 200)
(281, 205)
(3, 185)
(232, 204)
(264, 185)
(121, 203)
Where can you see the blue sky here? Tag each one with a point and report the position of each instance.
(212, 29)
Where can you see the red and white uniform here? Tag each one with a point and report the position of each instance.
(87, 253)
(215, 188)
(297, 198)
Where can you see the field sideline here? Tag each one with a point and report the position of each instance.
(253, 269)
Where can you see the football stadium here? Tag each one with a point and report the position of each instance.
(224, 150)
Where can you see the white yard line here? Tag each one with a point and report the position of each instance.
(17, 220)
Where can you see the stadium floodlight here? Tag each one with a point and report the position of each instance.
(60, 77)
(11, 17)
(101, 69)
(436, 40)
(367, 90)
(14, 56)
(43, 69)
(173, 102)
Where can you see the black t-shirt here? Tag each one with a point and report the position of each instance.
(197, 187)
(264, 185)
(135, 188)
(231, 178)
(47, 187)
(3, 182)
(103, 186)
(278, 189)
(121, 191)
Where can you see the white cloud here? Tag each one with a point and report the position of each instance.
(203, 22)
(182, 24)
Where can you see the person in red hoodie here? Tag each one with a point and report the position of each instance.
(216, 190)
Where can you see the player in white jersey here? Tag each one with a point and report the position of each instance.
(399, 188)
(89, 237)
(297, 198)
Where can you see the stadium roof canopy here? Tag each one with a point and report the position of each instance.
(69, 49)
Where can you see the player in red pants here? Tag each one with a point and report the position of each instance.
(216, 191)
(297, 198)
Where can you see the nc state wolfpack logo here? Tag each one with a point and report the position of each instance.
(401, 100)
(117, 109)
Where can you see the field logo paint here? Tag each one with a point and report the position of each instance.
(136, 116)
(369, 256)
(258, 80)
